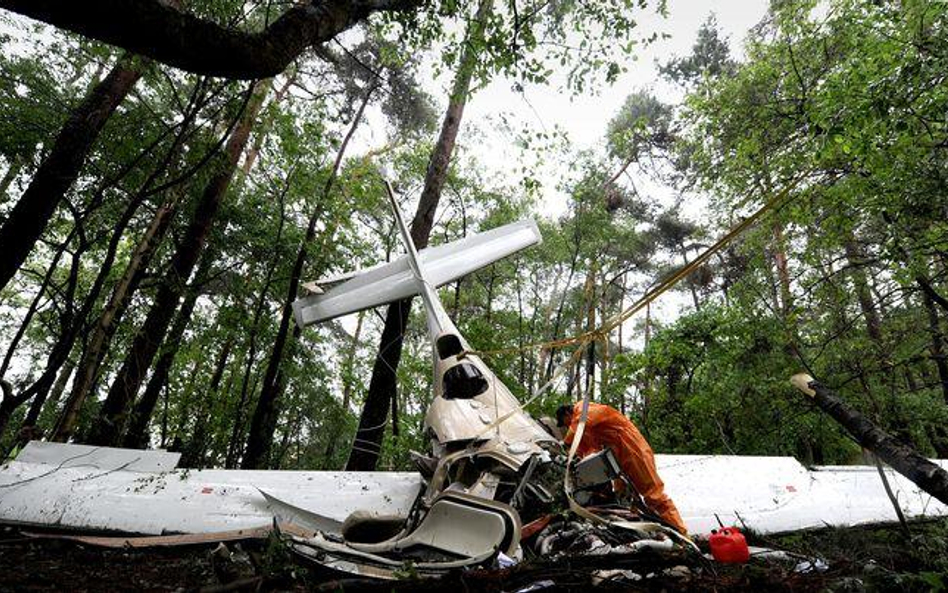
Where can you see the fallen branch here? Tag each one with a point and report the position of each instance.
(904, 459)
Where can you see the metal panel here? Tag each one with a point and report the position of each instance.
(393, 281)
(190, 501)
(769, 494)
(103, 458)
(774, 494)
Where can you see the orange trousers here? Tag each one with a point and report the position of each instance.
(607, 427)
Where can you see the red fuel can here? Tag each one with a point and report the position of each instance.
(729, 546)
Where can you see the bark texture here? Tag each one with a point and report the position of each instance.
(265, 414)
(136, 436)
(108, 321)
(937, 347)
(111, 419)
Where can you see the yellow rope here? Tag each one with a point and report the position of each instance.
(602, 332)
(647, 298)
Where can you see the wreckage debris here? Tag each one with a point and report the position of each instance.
(497, 489)
(873, 558)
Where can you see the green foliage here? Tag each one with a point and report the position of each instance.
(710, 58)
(535, 42)
(642, 122)
(848, 97)
(848, 100)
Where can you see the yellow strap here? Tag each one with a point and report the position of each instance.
(647, 298)
(603, 331)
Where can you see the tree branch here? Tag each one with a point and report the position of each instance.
(904, 459)
(927, 287)
(172, 36)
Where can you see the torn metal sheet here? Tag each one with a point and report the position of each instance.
(299, 516)
(104, 492)
(167, 541)
(494, 469)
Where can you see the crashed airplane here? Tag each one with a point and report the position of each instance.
(498, 487)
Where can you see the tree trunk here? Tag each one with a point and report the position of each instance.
(120, 298)
(33, 308)
(521, 338)
(555, 334)
(266, 412)
(58, 355)
(348, 380)
(926, 475)
(605, 356)
(234, 443)
(783, 271)
(59, 170)
(36, 407)
(489, 305)
(348, 366)
(194, 452)
(589, 301)
(931, 292)
(12, 171)
(938, 437)
(368, 438)
(59, 388)
(7, 405)
(110, 421)
(937, 347)
(70, 334)
(691, 284)
(382, 384)
(856, 258)
(136, 436)
(60, 350)
(250, 156)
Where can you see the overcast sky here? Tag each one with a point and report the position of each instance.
(584, 118)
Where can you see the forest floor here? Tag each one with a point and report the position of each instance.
(871, 558)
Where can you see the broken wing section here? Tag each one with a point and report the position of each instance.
(778, 494)
(395, 281)
(79, 487)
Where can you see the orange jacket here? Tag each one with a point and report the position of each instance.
(607, 427)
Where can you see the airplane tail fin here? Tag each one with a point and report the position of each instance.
(408, 275)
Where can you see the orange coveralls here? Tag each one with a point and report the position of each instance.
(607, 427)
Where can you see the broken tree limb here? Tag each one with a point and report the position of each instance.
(904, 459)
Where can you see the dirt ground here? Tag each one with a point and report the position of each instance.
(856, 559)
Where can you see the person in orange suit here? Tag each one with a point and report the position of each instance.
(607, 427)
